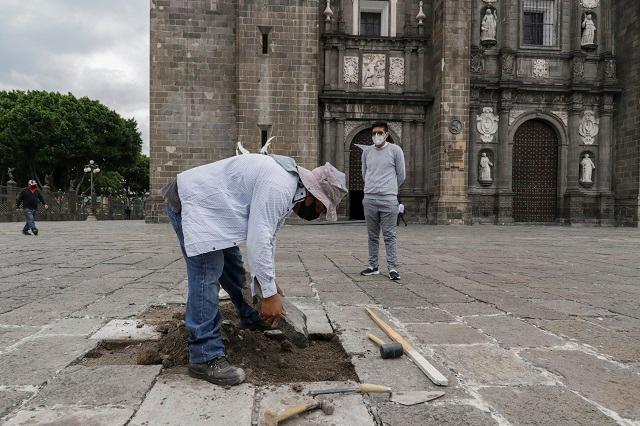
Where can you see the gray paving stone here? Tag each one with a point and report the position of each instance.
(471, 308)
(487, 365)
(544, 405)
(571, 307)
(349, 409)
(512, 332)
(13, 334)
(11, 399)
(613, 387)
(122, 385)
(72, 415)
(451, 414)
(71, 327)
(442, 333)
(421, 315)
(346, 297)
(176, 399)
(36, 361)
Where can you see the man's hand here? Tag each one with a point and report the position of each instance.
(272, 309)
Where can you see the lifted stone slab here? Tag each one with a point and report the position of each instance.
(126, 330)
(177, 399)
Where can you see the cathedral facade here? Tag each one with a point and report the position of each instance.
(507, 111)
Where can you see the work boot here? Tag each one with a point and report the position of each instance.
(218, 371)
(25, 232)
(370, 271)
(35, 231)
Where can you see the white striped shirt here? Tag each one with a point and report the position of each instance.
(242, 198)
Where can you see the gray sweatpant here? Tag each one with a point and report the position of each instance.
(381, 215)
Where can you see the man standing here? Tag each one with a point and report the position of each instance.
(28, 200)
(401, 214)
(216, 207)
(383, 172)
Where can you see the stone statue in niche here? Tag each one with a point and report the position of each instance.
(487, 124)
(485, 169)
(488, 28)
(587, 167)
(589, 127)
(373, 70)
(588, 32)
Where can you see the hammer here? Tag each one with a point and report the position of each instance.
(271, 418)
(387, 350)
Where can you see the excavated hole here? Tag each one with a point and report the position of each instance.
(264, 359)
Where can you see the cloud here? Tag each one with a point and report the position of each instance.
(97, 48)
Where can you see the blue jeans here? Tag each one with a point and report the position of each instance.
(206, 273)
(30, 216)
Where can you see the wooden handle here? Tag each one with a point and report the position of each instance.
(390, 331)
(369, 388)
(378, 341)
(295, 410)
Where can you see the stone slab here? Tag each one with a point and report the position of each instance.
(122, 385)
(176, 399)
(36, 361)
(442, 333)
(485, 365)
(447, 414)
(610, 385)
(421, 315)
(349, 408)
(126, 330)
(11, 399)
(13, 334)
(512, 332)
(467, 309)
(573, 308)
(544, 405)
(293, 323)
(71, 327)
(72, 415)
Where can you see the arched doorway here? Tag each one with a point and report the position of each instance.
(535, 172)
(356, 183)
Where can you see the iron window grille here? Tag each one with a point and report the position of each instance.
(539, 21)
(370, 24)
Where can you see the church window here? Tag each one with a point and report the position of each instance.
(539, 22)
(374, 18)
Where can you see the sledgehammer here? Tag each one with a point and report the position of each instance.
(387, 350)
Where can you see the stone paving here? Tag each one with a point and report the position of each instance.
(532, 325)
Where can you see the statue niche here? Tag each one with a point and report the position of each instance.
(489, 27)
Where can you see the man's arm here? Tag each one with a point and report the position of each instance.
(364, 164)
(41, 198)
(400, 169)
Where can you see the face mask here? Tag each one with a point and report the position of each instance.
(378, 139)
(308, 212)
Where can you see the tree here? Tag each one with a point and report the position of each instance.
(55, 135)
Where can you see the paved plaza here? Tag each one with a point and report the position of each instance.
(531, 325)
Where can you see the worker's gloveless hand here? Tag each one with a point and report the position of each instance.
(272, 309)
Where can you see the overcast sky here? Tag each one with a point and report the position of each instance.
(93, 48)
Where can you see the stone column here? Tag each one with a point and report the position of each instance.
(409, 72)
(420, 168)
(420, 74)
(340, 67)
(409, 158)
(339, 145)
(573, 199)
(326, 152)
(328, 67)
(604, 162)
(12, 193)
(504, 163)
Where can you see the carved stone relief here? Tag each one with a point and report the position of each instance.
(487, 124)
(396, 71)
(577, 67)
(396, 126)
(540, 68)
(610, 68)
(349, 126)
(589, 4)
(476, 63)
(514, 114)
(562, 115)
(507, 63)
(589, 127)
(350, 70)
(373, 71)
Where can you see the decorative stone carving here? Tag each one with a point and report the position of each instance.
(577, 67)
(396, 71)
(10, 173)
(490, 1)
(588, 40)
(610, 68)
(589, 127)
(514, 114)
(455, 127)
(420, 17)
(485, 169)
(540, 68)
(487, 124)
(349, 126)
(373, 69)
(350, 70)
(396, 126)
(488, 28)
(562, 115)
(586, 168)
(328, 13)
(589, 4)
(508, 61)
(476, 62)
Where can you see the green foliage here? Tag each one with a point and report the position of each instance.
(44, 134)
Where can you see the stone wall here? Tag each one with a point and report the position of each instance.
(193, 88)
(277, 91)
(627, 117)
